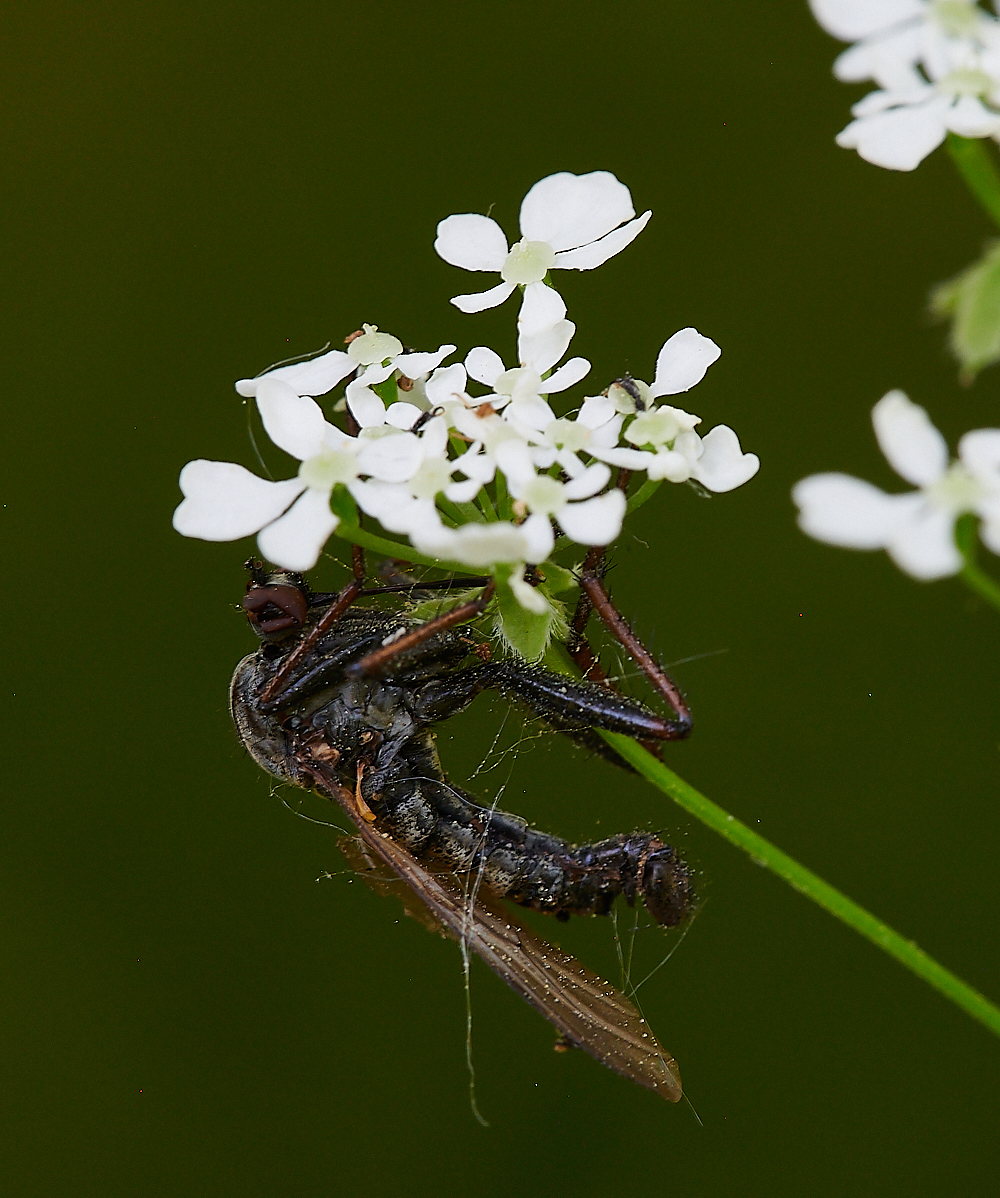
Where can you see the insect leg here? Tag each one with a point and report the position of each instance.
(376, 662)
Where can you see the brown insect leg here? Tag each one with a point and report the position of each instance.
(593, 587)
(377, 660)
(579, 646)
(328, 618)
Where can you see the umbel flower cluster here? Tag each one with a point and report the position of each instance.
(937, 64)
(479, 463)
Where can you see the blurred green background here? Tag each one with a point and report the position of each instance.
(192, 191)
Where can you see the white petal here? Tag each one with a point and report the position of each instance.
(595, 411)
(402, 415)
(971, 118)
(913, 446)
(479, 301)
(589, 256)
(989, 532)
(900, 139)
(367, 408)
(543, 349)
(888, 59)
(595, 521)
(541, 308)
(980, 452)
(683, 361)
(315, 377)
(223, 501)
(589, 482)
(606, 437)
(473, 544)
(568, 375)
(627, 459)
(476, 464)
(514, 458)
(924, 544)
(569, 210)
(723, 465)
(529, 416)
(484, 365)
(446, 385)
(538, 536)
(846, 511)
(528, 597)
(294, 542)
(853, 19)
(413, 366)
(434, 437)
(294, 423)
(392, 459)
(463, 492)
(471, 241)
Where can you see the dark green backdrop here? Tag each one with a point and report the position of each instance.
(194, 190)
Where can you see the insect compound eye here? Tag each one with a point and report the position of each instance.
(272, 609)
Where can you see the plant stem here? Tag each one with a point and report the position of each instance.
(806, 882)
(979, 581)
(967, 541)
(977, 167)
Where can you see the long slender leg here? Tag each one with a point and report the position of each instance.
(579, 646)
(326, 621)
(374, 663)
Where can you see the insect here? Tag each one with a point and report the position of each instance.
(344, 699)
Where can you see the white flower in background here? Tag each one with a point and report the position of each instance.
(916, 529)
(223, 501)
(938, 63)
(568, 222)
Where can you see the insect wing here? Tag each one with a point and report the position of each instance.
(587, 1010)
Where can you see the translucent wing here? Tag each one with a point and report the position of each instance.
(589, 1012)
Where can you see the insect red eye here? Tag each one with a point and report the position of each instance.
(273, 608)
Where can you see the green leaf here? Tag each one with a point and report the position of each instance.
(972, 301)
(527, 633)
(556, 580)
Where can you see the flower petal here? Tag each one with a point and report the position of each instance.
(471, 241)
(541, 308)
(980, 452)
(538, 537)
(402, 415)
(847, 511)
(315, 377)
(366, 407)
(589, 482)
(594, 521)
(853, 19)
(924, 543)
(913, 446)
(542, 350)
(393, 459)
(484, 365)
(971, 118)
(294, 542)
(569, 210)
(627, 459)
(446, 384)
(223, 501)
(683, 361)
(722, 465)
(901, 138)
(295, 423)
(587, 257)
(413, 366)
(479, 301)
(568, 375)
(595, 411)
(528, 597)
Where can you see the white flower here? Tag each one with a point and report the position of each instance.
(937, 61)
(377, 356)
(481, 545)
(223, 501)
(568, 222)
(916, 529)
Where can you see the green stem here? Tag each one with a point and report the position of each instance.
(967, 541)
(978, 168)
(806, 882)
(644, 493)
(980, 582)
(394, 549)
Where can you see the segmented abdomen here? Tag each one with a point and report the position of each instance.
(437, 822)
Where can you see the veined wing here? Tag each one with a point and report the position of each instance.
(589, 1012)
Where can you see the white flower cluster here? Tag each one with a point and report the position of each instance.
(937, 64)
(475, 479)
(916, 529)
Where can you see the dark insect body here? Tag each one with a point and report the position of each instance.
(345, 701)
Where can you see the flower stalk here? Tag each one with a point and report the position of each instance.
(806, 882)
(977, 166)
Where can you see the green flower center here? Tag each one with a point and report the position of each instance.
(544, 494)
(958, 18)
(374, 346)
(327, 468)
(957, 490)
(528, 262)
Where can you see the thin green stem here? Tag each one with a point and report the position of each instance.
(976, 579)
(979, 581)
(644, 493)
(978, 168)
(806, 882)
